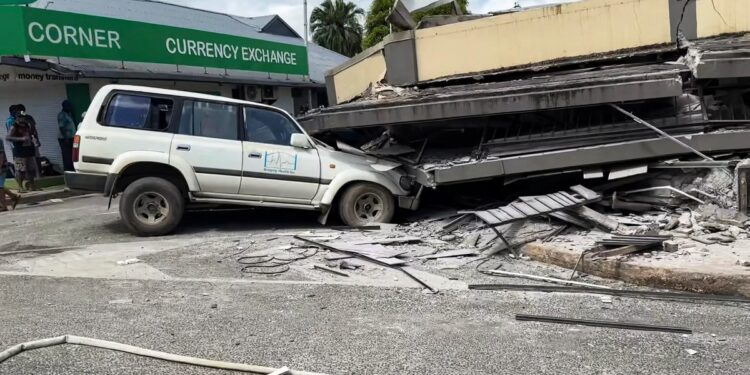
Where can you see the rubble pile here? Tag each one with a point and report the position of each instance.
(677, 215)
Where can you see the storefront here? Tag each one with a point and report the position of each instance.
(68, 49)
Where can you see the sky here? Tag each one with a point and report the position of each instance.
(291, 10)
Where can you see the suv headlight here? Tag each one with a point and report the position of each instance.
(407, 182)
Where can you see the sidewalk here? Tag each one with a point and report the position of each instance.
(715, 269)
(52, 188)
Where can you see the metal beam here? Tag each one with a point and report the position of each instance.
(661, 132)
(602, 323)
(671, 296)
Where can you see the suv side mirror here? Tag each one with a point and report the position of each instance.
(300, 140)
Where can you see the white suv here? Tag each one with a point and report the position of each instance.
(165, 149)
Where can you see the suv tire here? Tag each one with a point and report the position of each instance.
(366, 203)
(151, 206)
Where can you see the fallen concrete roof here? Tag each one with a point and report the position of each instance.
(722, 57)
(581, 157)
(550, 91)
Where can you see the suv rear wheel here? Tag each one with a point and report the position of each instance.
(366, 203)
(151, 206)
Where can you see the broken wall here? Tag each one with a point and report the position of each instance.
(354, 78)
(716, 17)
(591, 29)
(541, 34)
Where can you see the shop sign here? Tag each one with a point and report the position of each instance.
(28, 75)
(40, 32)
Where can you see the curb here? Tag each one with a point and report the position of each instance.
(42, 196)
(659, 277)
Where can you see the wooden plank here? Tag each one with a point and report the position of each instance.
(585, 192)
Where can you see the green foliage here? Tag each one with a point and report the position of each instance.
(335, 25)
(445, 9)
(377, 27)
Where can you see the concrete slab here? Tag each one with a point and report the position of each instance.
(98, 261)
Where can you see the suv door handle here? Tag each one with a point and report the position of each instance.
(183, 147)
(255, 155)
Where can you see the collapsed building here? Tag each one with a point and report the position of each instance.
(596, 87)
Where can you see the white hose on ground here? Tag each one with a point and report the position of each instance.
(96, 343)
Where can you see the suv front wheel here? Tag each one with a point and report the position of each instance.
(366, 203)
(151, 206)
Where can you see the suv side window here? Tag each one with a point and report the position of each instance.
(207, 119)
(267, 126)
(138, 112)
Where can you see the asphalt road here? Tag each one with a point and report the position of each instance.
(334, 329)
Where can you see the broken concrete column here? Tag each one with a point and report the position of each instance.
(742, 172)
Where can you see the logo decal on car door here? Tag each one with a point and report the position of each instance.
(280, 162)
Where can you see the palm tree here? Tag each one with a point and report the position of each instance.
(335, 25)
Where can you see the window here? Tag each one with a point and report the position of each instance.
(266, 126)
(206, 119)
(139, 112)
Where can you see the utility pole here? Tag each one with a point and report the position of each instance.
(310, 89)
(304, 2)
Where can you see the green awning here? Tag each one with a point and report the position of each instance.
(40, 32)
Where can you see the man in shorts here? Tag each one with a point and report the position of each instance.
(24, 152)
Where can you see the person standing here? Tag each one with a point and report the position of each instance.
(21, 111)
(67, 130)
(11, 117)
(8, 125)
(24, 151)
(3, 190)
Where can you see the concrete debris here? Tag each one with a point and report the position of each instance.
(471, 240)
(128, 261)
(348, 265)
(671, 246)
